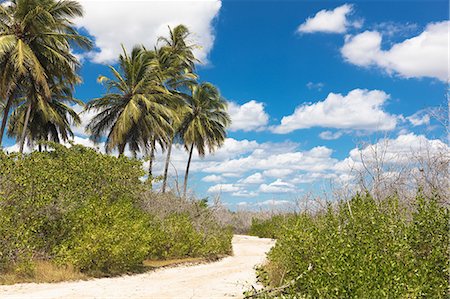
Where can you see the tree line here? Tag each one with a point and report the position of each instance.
(153, 96)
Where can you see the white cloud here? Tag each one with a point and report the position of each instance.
(419, 118)
(248, 117)
(278, 186)
(273, 202)
(223, 188)
(245, 193)
(425, 55)
(316, 159)
(85, 117)
(328, 21)
(312, 85)
(328, 135)
(212, 178)
(278, 173)
(256, 178)
(402, 149)
(360, 109)
(142, 22)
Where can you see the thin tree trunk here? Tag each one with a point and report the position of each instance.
(166, 166)
(187, 170)
(150, 164)
(5, 118)
(121, 149)
(24, 129)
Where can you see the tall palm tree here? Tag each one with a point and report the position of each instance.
(134, 107)
(50, 120)
(204, 125)
(176, 64)
(35, 38)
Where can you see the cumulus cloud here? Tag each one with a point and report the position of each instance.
(316, 159)
(142, 22)
(425, 55)
(277, 172)
(328, 135)
(85, 117)
(278, 186)
(212, 178)
(256, 178)
(419, 118)
(329, 21)
(223, 188)
(360, 109)
(245, 193)
(247, 117)
(399, 150)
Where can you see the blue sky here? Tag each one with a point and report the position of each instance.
(352, 71)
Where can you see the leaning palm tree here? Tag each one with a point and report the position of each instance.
(35, 38)
(134, 107)
(204, 125)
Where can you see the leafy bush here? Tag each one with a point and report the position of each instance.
(188, 227)
(269, 228)
(106, 238)
(364, 249)
(77, 207)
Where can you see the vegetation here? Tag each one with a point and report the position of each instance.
(77, 208)
(361, 248)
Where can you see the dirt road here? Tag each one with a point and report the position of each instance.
(227, 278)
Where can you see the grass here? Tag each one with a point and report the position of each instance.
(48, 272)
(44, 271)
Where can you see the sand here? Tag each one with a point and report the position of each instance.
(226, 278)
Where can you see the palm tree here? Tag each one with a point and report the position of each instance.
(35, 38)
(204, 125)
(176, 64)
(134, 107)
(50, 120)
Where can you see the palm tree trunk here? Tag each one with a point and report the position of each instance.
(121, 149)
(24, 129)
(150, 164)
(166, 166)
(187, 170)
(5, 118)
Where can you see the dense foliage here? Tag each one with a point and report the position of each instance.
(270, 227)
(362, 249)
(77, 207)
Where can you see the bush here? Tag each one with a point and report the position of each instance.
(269, 228)
(106, 238)
(364, 249)
(77, 207)
(187, 227)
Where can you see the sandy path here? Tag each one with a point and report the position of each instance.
(227, 278)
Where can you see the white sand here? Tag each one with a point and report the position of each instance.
(227, 278)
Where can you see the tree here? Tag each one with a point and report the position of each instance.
(49, 121)
(35, 39)
(134, 107)
(176, 64)
(204, 124)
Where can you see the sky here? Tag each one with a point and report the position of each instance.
(311, 85)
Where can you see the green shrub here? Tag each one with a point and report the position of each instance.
(106, 238)
(364, 249)
(177, 237)
(81, 208)
(269, 228)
